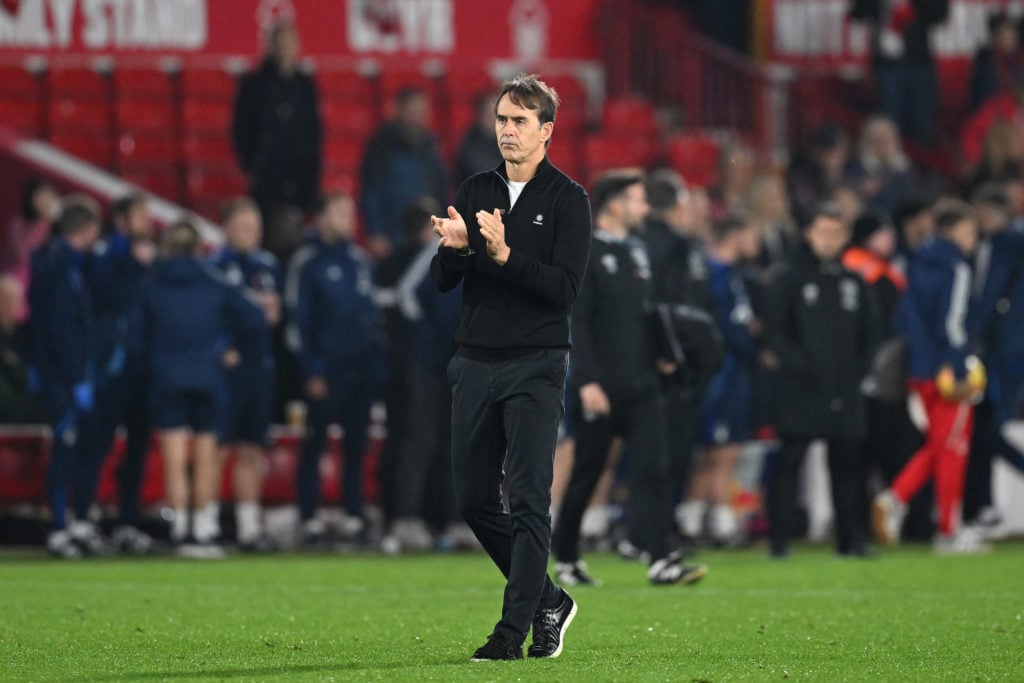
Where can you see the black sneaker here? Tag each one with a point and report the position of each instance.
(574, 574)
(670, 569)
(498, 648)
(549, 627)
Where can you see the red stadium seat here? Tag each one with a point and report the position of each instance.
(216, 183)
(79, 81)
(215, 84)
(96, 149)
(162, 181)
(212, 116)
(629, 115)
(345, 85)
(208, 149)
(615, 151)
(145, 149)
(150, 115)
(66, 112)
(695, 157)
(348, 117)
(344, 153)
(139, 81)
(21, 94)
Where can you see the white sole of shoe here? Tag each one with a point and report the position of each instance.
(561, 634)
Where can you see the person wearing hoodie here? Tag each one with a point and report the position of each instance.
(337, 330)
(401, 165)
(943, 381)
(189, 316)
(277, 136)
(821, 332)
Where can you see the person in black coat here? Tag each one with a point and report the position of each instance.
(189, 316)
(616, 374)
(821, 331)
(277, 136)
(903, 62)
(679, 275)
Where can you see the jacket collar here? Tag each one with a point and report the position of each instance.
(544, 169)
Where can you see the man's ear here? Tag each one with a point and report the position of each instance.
(546, 130)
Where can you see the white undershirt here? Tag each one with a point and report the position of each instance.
(514, 190)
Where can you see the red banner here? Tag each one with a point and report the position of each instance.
(521, 30)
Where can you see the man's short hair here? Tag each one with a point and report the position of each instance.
(181, 238)
(728, 225)
(827, 209)
(124, 204)
(991, 194)
(234, 206)
(949, 213)
(529, 92)
(610, 186)
(75, 217)
(663, 189)
(407, 94)
(326, 199)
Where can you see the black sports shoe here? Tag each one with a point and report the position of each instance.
(670, 569)
(549, 627)
(498, 648)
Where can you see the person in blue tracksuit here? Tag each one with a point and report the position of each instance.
(250, 389)
(340, 346)
(190, 315)
(117, 275)
(62, 330)
(996, 326)
(726, 413)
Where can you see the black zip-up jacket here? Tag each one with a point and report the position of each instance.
(525, 305)
(612, 343)
(822, 324)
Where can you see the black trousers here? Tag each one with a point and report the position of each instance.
(507, 412)
(682, 409)
(639, 419)
(849, 494)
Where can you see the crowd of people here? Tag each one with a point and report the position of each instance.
(848, 299)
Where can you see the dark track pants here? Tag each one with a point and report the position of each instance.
(508, 412)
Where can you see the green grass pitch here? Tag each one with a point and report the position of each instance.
(904, 616)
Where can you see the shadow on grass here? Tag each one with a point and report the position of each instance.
(260, 672)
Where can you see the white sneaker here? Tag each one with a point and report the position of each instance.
(574, 574)
(887, 515)
(60, 544)
(412, 534)
(130, 540)
(88, 536)
(723, 526)
(458, 536)
(690, 517)
(964, 542)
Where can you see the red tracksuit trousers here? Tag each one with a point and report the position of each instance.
(943, 456)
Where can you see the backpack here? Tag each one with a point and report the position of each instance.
(688, 337)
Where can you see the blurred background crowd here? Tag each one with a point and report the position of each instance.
(279, 343)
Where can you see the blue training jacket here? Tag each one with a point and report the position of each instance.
(337, 320)
(62, 327)
(257, 271)
(189, 316)
(933, 314)
(117, 281)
